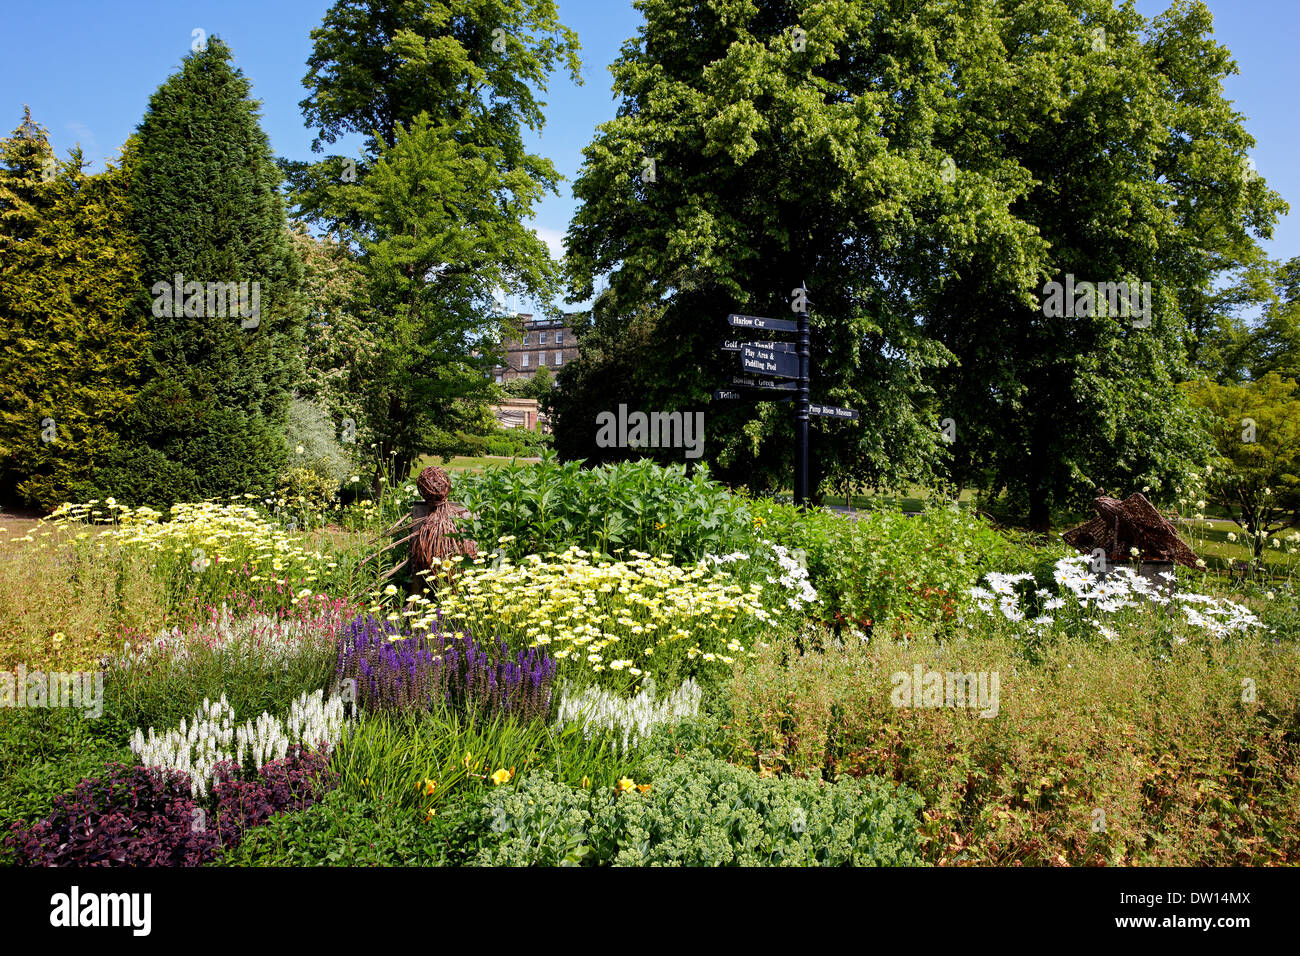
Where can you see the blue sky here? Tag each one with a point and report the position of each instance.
(88, 67)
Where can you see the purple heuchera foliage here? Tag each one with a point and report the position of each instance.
(400, 670)
(144, 816)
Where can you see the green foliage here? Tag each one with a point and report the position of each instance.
(45, 753)
(436, 204)
(539, 385)
(697, 811)
(1256, 428)
(884, 565)
(69, 340)
(205, 205)
(310, 428)
(393, 757)
(1055, 407)
(341, 830)
(338, 332)
(630, 505)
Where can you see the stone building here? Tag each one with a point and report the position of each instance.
(539, 342)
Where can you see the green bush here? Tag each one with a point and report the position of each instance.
(697, 811)
(886, 565)
(341, 830)
(635, 505)
(311, 429)
(304, 497)
(46, 753)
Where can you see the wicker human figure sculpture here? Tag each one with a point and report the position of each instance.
(435, 534)
(434, 537)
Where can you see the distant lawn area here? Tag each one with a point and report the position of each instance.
(464, 463)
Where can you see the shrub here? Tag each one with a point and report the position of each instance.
(310, 428)
(697, 811)
(132, 816)
(203, 551)
(341, 830)
(404, 671)
(304, 498)
(885, 565)
(610, 622)
(628, 506)
(139, 816)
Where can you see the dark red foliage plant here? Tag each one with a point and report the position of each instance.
(141, 816)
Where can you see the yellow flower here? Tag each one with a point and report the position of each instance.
(501, 776)
(469, 759)
(624, 784)
(586, 782)
(643, 787)
(58, 637)
(429, 787)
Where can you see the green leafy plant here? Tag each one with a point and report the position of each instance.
(697, 811)
(635, 505)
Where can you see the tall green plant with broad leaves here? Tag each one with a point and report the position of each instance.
(628, 506)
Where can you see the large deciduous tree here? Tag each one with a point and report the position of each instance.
(434, 206)
(927, 168)
(760, 145)
(1256, 427)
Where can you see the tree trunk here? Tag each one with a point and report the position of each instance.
(1040, 512)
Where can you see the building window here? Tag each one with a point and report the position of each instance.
(498, 379)
(541, 358)
(559, 337)
(524, 363)
(559, 358)
(541, 338)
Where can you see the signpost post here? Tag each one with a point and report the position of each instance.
(782, 367)
(799, 306)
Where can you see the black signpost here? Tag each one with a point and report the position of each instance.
(757, 381)
(766, 361)
(800, 307)
(781, 367)
(761, 322)
(832, 411)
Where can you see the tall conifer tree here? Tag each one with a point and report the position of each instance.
(211, 223)
(69, 339)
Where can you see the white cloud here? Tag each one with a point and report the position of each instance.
(554, 239)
